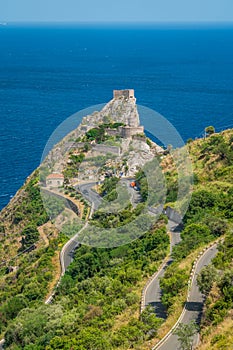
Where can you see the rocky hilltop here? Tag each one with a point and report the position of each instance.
(122, 108)
(125, 136)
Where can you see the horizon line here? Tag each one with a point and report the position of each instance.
(144, 23)
(59, 25)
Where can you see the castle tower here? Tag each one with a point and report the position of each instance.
(133, 120)
(129, 112)
(127, 94)
(131, 116)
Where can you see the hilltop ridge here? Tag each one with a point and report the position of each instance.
(121, 134)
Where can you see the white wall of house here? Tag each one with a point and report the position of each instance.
(54, 182)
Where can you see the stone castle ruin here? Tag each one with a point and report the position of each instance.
(130, 115)
(128, 94)
(131, 143)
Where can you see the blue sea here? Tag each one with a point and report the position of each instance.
(47, 73)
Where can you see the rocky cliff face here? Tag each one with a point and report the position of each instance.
(117, 110)
(120, 110)
(132, 154)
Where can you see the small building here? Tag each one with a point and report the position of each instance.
(54, 180)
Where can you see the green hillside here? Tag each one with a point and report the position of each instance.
(97, 303)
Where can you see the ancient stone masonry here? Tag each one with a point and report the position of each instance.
(121, 109)
(128, 94)
(129, 113)
(106, 149)
(129, 131)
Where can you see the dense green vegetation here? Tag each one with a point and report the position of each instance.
(108, 188)
(98, 134)
(151, 183)
(99, 285)
(219, 273)
(30, 235)
(209, 217)
(143, 185)
(97, 303)
(31, 206)
(54, 205)
(73, 165)
(28, 284)
(117, 219)
(215, 281)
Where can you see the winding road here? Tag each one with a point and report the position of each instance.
(153, 291)
(194, 305)
(92, 196)
(67, 252)
(66, 255)
(87, 191)
(95, 199)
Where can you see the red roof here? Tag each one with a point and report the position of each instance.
(55, 176)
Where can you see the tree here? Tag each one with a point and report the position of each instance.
(172, 283)
(185, 333)
(34, 326)
(32, 290)
(96, 134)
(30, 235)
(109, 185)
(190, 140)
(143, 185)
(15, 305)
(226, 285)
(93, 339)
(201, 199)
(206, 278)
(209, 130)
(86, 147)
(192, 236)
(150, 320)
(217, 226)
(54, 205)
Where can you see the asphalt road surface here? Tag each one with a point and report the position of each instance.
(67, 251)
(153, 292)
(193, 308)
(95, 199)
(92, 196)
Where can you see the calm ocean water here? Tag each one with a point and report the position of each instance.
(49, 73)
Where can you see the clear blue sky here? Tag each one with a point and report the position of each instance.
(117, 10)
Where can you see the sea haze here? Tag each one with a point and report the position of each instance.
(49, 73)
